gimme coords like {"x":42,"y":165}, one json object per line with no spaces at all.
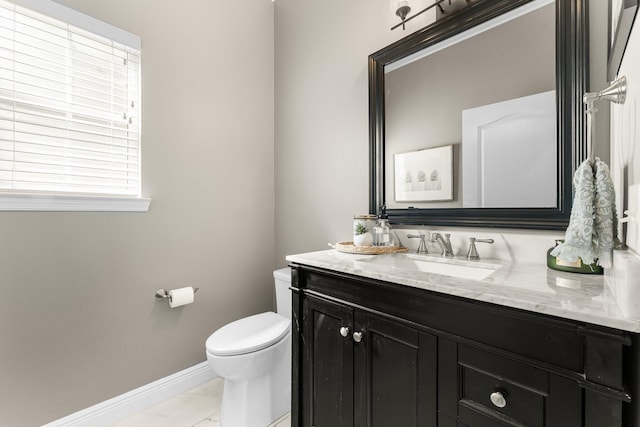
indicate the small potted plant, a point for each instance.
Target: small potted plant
{"x":362,"y":236}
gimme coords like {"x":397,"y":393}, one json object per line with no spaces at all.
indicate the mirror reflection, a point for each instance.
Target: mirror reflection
{"x":471,"y":122}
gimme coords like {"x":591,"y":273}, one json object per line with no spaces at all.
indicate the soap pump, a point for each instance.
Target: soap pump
{"x":382,"y":235}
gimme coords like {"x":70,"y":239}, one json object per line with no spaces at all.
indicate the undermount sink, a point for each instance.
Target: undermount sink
{"x":462,"y":269}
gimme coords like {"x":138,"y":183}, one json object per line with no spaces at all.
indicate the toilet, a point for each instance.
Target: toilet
{"x":253,"y":355}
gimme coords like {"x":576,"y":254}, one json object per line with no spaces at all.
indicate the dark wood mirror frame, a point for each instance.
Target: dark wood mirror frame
{"x":571,"y":83}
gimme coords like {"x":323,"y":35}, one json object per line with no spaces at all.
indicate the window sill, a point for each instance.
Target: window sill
{"x":72,"y":203}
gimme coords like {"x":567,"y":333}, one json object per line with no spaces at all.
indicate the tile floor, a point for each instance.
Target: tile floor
{"x":199,"y":407}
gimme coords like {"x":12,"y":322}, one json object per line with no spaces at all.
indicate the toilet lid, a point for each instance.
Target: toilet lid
{"x":249,"y":334}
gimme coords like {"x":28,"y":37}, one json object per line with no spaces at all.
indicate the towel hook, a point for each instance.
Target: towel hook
{"x":616,"y":92}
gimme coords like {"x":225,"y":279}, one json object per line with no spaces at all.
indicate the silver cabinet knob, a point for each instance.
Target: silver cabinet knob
{"x":357,"y":336}
{"x":344,"y":331}
{"x":498,"y":399}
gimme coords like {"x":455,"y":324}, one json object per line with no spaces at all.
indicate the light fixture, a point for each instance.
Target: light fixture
{"x":402,"y":11}
{"x":445,"y":7}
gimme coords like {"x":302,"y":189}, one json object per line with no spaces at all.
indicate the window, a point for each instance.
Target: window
{"x":69,"y":109}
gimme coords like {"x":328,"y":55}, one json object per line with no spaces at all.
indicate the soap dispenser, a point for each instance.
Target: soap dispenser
{"x":382,"y":235}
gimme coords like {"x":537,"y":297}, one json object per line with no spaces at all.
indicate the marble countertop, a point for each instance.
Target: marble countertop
{"x":527,"y":286}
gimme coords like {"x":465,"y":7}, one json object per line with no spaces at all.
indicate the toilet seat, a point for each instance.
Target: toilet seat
{"x":249,"y":334}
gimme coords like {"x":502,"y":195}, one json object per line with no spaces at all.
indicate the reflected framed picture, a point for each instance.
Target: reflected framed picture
{"x":622,"y":13}
{"x":424,"y":175}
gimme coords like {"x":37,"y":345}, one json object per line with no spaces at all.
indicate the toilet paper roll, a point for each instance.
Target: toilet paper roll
{"x":180,"y":297}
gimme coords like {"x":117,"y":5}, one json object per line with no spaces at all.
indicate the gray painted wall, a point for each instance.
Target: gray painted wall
{"x":322,"y":151}
{"x":78,"y":319}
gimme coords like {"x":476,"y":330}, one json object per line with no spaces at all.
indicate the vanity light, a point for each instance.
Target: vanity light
{"x":403,"y":10}
{"x":444,"y":7}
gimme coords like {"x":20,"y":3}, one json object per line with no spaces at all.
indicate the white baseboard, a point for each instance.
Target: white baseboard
{"x":130,"y":403}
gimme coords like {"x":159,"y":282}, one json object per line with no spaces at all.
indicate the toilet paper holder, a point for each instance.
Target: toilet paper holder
{"x":163,"y":293}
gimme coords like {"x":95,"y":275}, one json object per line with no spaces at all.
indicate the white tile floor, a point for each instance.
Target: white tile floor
{"x":199,"y":407}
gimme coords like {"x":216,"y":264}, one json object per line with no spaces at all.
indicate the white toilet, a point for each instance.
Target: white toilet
{"x":253,"y":355}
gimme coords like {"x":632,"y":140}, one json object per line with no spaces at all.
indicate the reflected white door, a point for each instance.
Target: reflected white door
{"x":514,"y":139}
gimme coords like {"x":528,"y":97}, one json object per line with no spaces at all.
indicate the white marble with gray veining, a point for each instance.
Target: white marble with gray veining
{"x":527,"y":286}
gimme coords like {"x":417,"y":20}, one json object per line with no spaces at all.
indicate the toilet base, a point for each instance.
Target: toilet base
{"x":252,"y":405}
{"x":257,"y":402}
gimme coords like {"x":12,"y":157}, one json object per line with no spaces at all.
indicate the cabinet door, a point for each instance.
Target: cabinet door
{"x":395,"y":374}
{"x":327,"y":364}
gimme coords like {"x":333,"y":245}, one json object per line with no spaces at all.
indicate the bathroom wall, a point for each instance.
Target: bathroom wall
{"x":321,"y":132}
{"x":322,"y":120}
{"x":622,"y":279}
{"x":78,"y":319}
{"x":625,"y":134}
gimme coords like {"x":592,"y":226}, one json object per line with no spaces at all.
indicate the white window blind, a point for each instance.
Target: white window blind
{"x":69,"y":107}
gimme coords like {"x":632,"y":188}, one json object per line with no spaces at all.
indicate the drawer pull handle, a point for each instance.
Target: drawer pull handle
{"x":357,"y":336}
{"x":344,"y":331}
{"x":498,"y":399}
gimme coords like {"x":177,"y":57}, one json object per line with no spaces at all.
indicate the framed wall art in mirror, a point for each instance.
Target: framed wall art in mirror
{"x":491,"y":52}
{"x":424,"y":175}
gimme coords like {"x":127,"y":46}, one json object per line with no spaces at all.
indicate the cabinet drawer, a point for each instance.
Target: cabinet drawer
{"x":500,"y":389}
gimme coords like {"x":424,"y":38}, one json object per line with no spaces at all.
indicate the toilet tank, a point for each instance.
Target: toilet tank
{"x":283,"y":294}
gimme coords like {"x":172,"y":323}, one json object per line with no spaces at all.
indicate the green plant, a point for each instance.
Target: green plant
{"x":360,"y":229}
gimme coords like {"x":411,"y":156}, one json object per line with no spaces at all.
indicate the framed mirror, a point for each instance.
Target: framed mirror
{"x":477,"y":119}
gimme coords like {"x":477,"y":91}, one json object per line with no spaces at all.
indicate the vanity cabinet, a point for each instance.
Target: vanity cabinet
{"x":372,"y":353}
{"x":365,"y":369}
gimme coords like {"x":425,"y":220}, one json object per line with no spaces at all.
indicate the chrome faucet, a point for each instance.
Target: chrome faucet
{"x":444,"y":243}
{"x":422,"y":247}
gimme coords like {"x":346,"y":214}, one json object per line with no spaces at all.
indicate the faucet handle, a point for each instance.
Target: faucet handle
{"x":421,"y":235}
{"x":473,"y":252}
{"x":422,"y":246}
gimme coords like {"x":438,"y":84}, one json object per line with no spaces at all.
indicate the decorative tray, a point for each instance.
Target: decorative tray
{"x":350,"y":248}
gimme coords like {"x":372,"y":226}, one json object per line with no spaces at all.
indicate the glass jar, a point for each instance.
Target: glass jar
{"x":382,"y":234}
{"x":366,"y":221}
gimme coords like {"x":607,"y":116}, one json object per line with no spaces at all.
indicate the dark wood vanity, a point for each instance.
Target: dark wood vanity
{"x":368,"y":352}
